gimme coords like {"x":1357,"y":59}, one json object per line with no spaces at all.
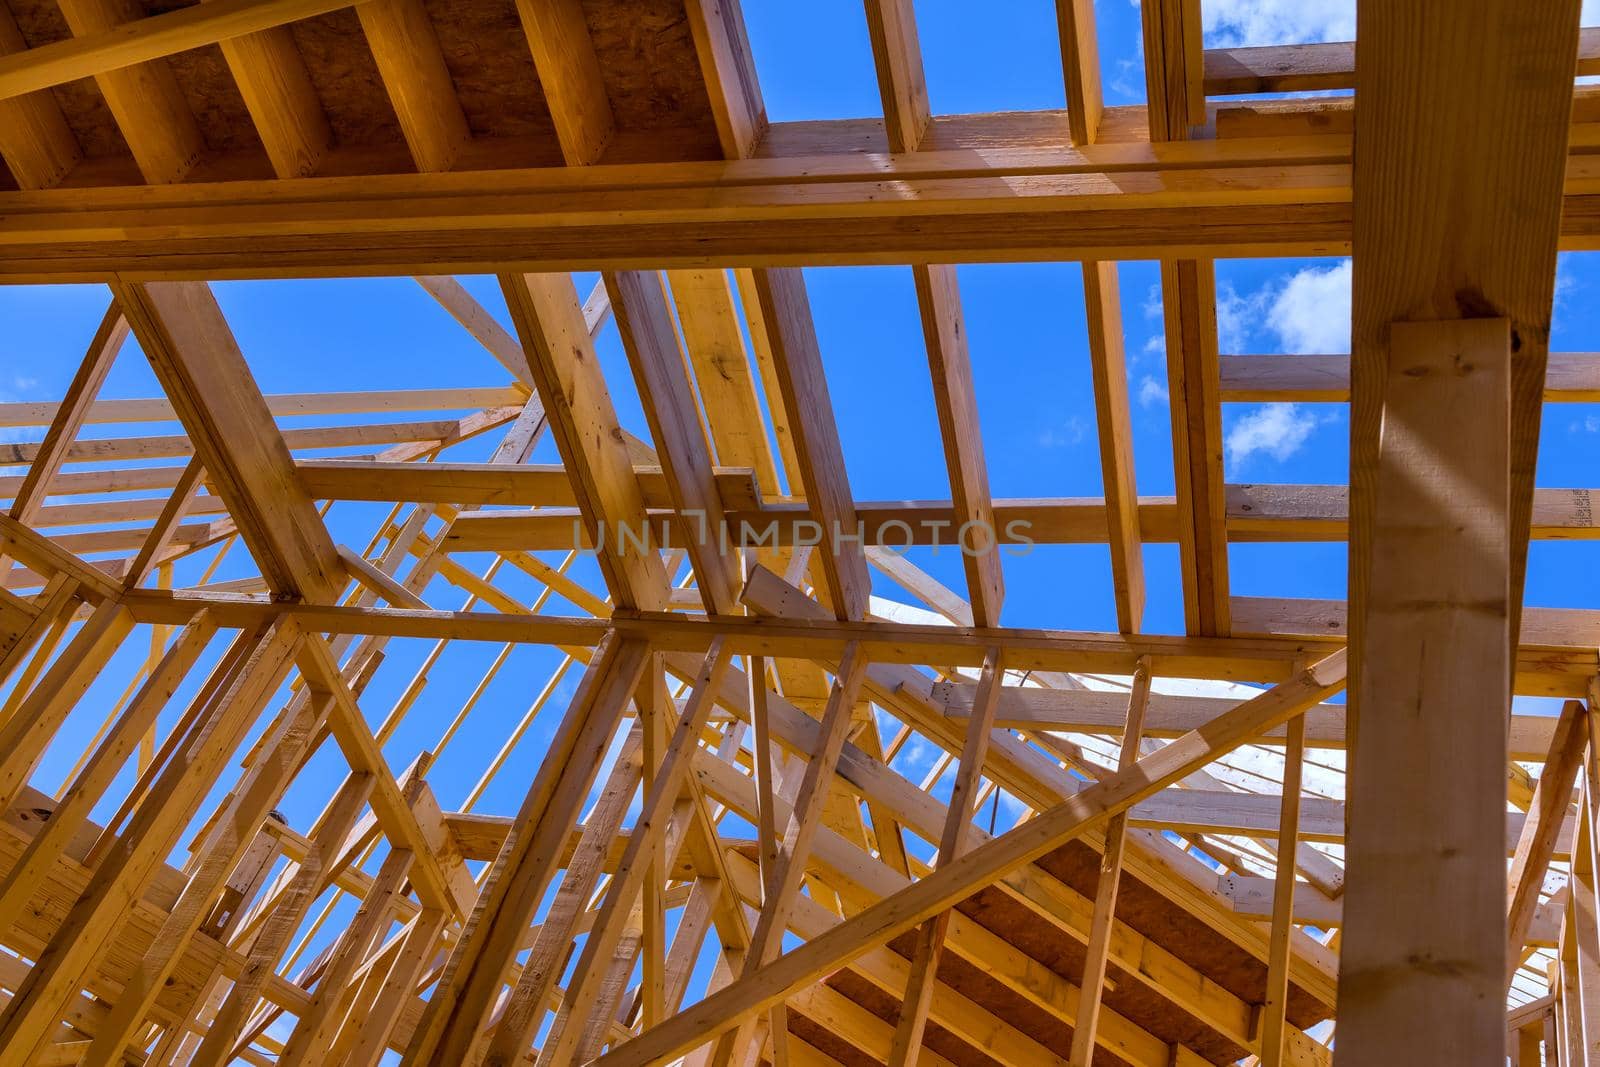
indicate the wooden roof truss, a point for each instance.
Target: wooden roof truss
{"x":779,"y":818}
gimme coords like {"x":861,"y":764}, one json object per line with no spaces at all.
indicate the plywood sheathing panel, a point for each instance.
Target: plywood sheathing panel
{"x":653,"y":80}
{"x":346,"y":79}
{"x":887,"y":1008}
{"x":1181,"y":933}
{"x":487,"y":54}
{"x":1001,"y":914}
{"x":825,"y":1040}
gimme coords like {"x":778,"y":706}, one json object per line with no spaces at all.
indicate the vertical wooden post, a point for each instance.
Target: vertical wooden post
{"x":1586,"y":922}
{"x":1571,"y":999}
{"x":1105,"y":897}
{"x":1424,"y":954}
{"x":1273,"y":1025}
{"x":1453,"y":279}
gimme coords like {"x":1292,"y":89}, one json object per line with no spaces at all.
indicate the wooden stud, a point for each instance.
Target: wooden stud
{"x":958,"y":824}
{"x":1273,"y":1009}
{"x":721,"y":1012}
{"x":1537,"y":841}
{"x":450,"y":1029}
{"x":1087,"y":1023}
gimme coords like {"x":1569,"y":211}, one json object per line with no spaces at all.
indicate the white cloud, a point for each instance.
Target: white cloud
{"x":1152,"y":391}
{"x":1152,"y":302}
{"x":1277,"y":430}
{"x":1311,"y":313}
{"x":1237,"y":316}
{"x":1567,"y":281}
{"x":1066,"y":435}
{"x":1588,"y":424}
{"x":1232,"y":23}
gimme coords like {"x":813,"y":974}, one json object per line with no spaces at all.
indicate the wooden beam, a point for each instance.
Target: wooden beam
{"x":1189,"y":300}
{"x":1274,"y":1021}
{"x":1537,"y":841}
{"x":562,"y":360}
{"x":194,"y":354}
{"x":956,"y":401}
{"x":729,"y":71}
{"x":145,"y":100}
{"x":892,"y":26}
{"x":569,"y":74}
{"x":931,"y":935}
{"x":442,"y":482}
{"x":70,"y":415}
{"x":794,"y":846}
{"x":786,"y":311}
{"x":1159,"y":201}
{"x":709,"y":319}
{"x":644,"y":319}
{"x":1438,"y":537}
{"x":160,"y":409}
{"x":940,"y":890}
{"x":1570,"y":378}
{"x":1540,"y":671}
{"x":180,"y":502}
{"x":413,"y":70}
{"x":283,"y":104}
{"x":451,"y":1028}
{"x":1102,"y":297}
{"x":37,"y":144}
{"x":1097,"y":952}
{"x":1080,"y":65}
{"x":480,"y":323}
{"x":379,"y":584}
{"x":647,"y":840}
{"x":143,"y":39}
{"x":1174,"y":67}
{"x":1320,"y":67}
{"x":1255,"y":513}
{"x":51,"y":558}
{"x":1431,"y":735}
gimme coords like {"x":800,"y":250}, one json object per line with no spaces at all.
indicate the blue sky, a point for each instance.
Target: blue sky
{"x":1025,"y":323}
{"x":1027,"y":336}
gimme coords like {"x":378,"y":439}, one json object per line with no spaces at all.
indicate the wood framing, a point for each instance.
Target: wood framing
{"x":1423,"y":975}
{"x":354,"y":722}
